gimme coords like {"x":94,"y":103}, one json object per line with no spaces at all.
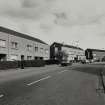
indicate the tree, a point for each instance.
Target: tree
{"x":103,"y":59}
{"x":61,"y":55}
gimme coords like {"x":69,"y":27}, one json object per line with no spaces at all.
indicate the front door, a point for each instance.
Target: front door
{"x":22,"y":57}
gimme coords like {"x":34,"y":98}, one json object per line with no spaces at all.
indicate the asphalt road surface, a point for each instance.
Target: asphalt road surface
{"x":74,"y":85}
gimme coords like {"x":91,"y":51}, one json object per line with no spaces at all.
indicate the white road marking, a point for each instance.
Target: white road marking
{"x":38,"y":80}
{"x":62,"y":71}
{"x":1,"y":95}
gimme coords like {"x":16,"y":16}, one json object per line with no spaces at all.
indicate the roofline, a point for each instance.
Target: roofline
{"x":57,"y":43}
{"x":69,"y":46}
{"x":95,"y":50}
{"x":15,"y":33}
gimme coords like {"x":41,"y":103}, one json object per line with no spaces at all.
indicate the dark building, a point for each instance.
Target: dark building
{"x":94,"y":54}
{"x":72,"y":51}
{"x":54,"y":48}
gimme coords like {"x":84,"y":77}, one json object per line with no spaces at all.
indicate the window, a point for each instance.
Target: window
{"x":29,"y":57}
{"x":36,"y":49}
{"x":13,"y":57}
{"x":36,"y":58}
{"x":29,"y":47}
{"x":94,"y":54}
{"x":2,"y":43}
{"x":41,"y":50}
{"x":56,"y":49}
{"x":14,"y":45}
{"x":41,"y":58}
{"x":46,"y":51}
{"x":3,"y":57}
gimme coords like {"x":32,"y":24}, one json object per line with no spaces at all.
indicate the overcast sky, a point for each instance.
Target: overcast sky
{"x":57,"y":20}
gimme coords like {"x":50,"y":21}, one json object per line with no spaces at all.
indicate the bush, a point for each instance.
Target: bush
{"x":50,"y":62}
{"x":8,"y":65}
{"x":34,"y":63}
{"x":17,"y":64}
{"x":103,"y":59}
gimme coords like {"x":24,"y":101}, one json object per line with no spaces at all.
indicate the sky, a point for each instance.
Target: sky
{"x":74,"y":22}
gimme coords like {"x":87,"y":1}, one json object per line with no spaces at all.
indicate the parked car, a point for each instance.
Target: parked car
{"x":66,"y":63}
{"x":85,"y":61}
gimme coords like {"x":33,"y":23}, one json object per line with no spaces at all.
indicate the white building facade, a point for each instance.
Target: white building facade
{"x":74,"y":52}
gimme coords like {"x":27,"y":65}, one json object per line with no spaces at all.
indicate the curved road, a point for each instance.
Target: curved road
{"x":53,"y":85}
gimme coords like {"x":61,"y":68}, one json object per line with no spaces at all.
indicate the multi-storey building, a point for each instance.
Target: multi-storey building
{"x":17,"y":46}
{"x":74,"y":53}
{"x":95,"y":54}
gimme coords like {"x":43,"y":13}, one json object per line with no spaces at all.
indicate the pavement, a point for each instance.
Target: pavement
{"x":52,"y":85}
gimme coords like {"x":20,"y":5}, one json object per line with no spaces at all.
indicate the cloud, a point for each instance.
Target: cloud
{"x":79,"y":12}
{"x":29,"y":9}
{"x":29,"y":4}
{"x":61,"y":18}
{"x":36,"y":3}
{"x":56,"y":19}
{"x":65,"y":12}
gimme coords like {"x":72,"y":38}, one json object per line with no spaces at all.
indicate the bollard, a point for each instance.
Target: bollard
{"x":22,"y":64}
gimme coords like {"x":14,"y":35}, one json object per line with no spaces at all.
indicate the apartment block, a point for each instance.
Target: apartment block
{"x":74,"y":53}
{"x":18,"y":46}
{"x":95,"y":54}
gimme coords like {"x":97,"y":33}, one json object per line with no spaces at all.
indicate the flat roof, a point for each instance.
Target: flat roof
{"x":12,"y":32}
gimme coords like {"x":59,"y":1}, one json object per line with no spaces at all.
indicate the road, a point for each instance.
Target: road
{"x":74,"y":85}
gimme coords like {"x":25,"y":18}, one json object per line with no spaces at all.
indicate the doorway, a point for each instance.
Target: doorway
{"x":2,"y":57}
{"x":22,"y":57}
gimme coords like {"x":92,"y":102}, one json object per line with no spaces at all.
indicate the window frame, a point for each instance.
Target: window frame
{"x":14,"y":45}
{"x":29,"y":47}
{"x":2,"y":46}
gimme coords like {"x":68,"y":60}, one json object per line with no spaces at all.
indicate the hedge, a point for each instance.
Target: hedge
{"x":8,"y":65}
{"x":50,"y":62}
{"x":26,"y":63}
{"x":34,"y":63}
{"x":17,"y":64}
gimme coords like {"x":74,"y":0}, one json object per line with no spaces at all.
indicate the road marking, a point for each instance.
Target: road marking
{"x":38,"y":80}
{"x":1,"y":95}
{"x":62,"y":71}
